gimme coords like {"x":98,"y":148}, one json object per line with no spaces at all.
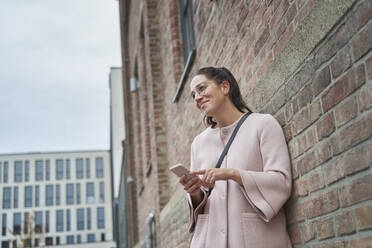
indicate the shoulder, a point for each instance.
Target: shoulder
{"x":262,"y":120}
{"x":204,"y":136}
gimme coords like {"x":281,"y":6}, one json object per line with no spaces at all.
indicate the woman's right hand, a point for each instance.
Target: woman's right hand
{"x":191,"y":185}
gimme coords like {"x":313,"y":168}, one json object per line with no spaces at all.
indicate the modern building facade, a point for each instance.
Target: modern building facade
{"x":56,"y":198}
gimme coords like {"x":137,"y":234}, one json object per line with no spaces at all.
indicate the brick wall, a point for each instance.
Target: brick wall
{"x":307,"y":62}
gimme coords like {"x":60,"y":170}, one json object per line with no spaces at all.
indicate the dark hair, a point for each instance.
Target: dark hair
{"x":218,"y":75}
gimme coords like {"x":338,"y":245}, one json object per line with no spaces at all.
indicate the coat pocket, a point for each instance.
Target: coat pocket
{"x":260,"y":234}
{"x":201,"y":230}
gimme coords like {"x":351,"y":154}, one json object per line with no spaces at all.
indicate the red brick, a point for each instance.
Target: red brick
{"x":306,"y":117}
{"x":341,"y":63}
{"x":344,"y":223}
{"x":308,"y":232}
{"x":291,"y":13}
{"x":307,"y":163}
{"x":326,"y":126}
{"x":300,"y":187}
{"x":284,"y":39}
{"x":346,"y":111}
{"x":278,"y":13}
{"x":310,"y":138}
{"x":363,"y":42}
{"x":291,"y":109}
{"x":323,"y":152}
{"x":365,"y":97}
{"x":321,"y":204}
{"x":288,"y":132}
{"x":331,"y":244}
{"x":305,"y":97}
{"x":356,"y":160}
{"x":321,"y":80}
{"x":369,"y":66}
{"x":295,"y":212}
{"x":315,"y":180}
{"x":363,"y":217}
{"x":324,"y":229}
{"x":343,"y":87}
{"x":261,"y":41}
{"x":334,"y":171}
{"x":356,"y":191}
{"x":360,"y":243}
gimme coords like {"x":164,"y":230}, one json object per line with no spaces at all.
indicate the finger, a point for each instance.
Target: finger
{"x":191,"y":182}
{"x":200,"y":172}
{"x":182,"y":180}
{"x":194,"y":187}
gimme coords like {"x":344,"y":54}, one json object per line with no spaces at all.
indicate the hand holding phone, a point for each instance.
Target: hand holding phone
{"x":179,"y":170}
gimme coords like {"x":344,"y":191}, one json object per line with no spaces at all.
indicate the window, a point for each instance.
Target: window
{"x":4,"y":244}
{"x":103,"y":237}
{"x":18,"y":171}
{"x":28,"y":243}
{"x":89,"y":218}
{"x":49,"y":195}
{"x":39,"y":170}
{"x":38,"y":221}
{"x":100,"y":218}
{"x":78,"y":239}
{"x":26,"y":223}
{"x":70,"y":239}
{"x":17,"y":223}
{"x":28,"y":196}
{"x":47,"y":221}
{"x":87,"y":165}
{"x":99,"y":167}
{"x":101,"y":192}
{"x":78,"y":198}
{"x":80,"y":219}
{"x":68,"y":220}
{"x":187,"y":25}
{"x":90,"y":193}
{"x":79,"y":168}
{"x":59,"y":169}
{"x":6,"y":197}
{"x":69,"y":194}
{"x":68,"y":171}
{"x":37,"y":195}
{"x":47,"y":170}
{"x":3,"y":225}
{"x":15,"y":197}
{"x":0,"y":172}
{"x":5,"y":174}
{"x":27,"y":171}
{"x":36,"y":242}
{"x":59,"y":214}
{"x":91,"y":238}
{"x":49,"y":240}
{"x":57,"y":240}
{"x":58,"y":195}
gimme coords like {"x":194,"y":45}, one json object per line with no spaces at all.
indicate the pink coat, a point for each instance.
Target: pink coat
{"x":250,"y":216}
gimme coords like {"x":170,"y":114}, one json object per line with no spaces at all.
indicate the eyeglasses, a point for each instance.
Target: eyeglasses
{"x":199,"y":89}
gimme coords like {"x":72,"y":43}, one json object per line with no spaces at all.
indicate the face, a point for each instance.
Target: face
{"x":207,"y":94}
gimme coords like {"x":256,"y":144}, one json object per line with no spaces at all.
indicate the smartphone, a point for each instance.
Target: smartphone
{"x":180,"y":170}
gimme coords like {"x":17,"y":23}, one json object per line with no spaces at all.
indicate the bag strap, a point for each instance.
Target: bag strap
{"x":226,"y":149}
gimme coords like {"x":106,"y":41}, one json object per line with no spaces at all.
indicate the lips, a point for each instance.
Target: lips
{"x":202,"y":104}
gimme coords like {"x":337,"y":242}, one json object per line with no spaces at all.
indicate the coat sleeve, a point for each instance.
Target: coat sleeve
{"x":269,"y":189}
{"x":195,"y":210}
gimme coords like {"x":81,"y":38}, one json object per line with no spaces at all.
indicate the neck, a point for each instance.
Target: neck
{"x":228,"y":115}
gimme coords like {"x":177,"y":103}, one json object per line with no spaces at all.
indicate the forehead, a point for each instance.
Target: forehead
{"x":198,"y":79}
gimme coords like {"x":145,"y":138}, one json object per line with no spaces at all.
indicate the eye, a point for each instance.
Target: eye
{"x":192,"y":95}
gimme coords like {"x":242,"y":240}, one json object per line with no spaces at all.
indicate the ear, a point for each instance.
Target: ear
{"x":225,"y":86}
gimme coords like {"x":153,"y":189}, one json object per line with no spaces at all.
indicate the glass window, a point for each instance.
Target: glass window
{"x":90,"y":193}
{"x":17,"y":223}
{"x":0,"y":173}
{"x":3,"y":225}
{"x":38,"y":221}
{"x":68,"y":171}
{"x":49,"y":241}
{"x":79,"y":168}
{"x":26,"y":223}
{"x":39,"y":170}
{"x":59,"y":214}
{"x":69,"y":193}
{"x":49,"y":195}
{"x":91,"y":238}
{"x":101,"y":192}
{"x":6,"y":197}
{"x":18,"y":171}
{"x":59,"y":169}
{"x":37,"y":196}
{"x":68,"y":220}
{"x":187,"y":27}
{"x":100,"y":218}
{"x":5,"y":244}
{"x":57,"y":240}
{"x":47,"y":221}
{"x":47,"y":170}
{"x":78,"y":239}
{"x":28,"y":196}
{"x":58,"y":195}
{"x":5,"y":172}
{"x":87,"y":165}
{"x":27,"y":171}
{"x":78,"y":197}
{"x":99,"y":167}
{"x":70,"y":239}
{"x":89,"y":219}
{"x":103,"y":237}
{"x":80,"y":219}
{"x":15,"y":197}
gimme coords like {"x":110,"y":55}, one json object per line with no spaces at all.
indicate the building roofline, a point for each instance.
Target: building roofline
{"x":53,"y":152}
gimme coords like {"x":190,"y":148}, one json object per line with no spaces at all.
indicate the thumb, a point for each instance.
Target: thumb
{"x":200,"y":172}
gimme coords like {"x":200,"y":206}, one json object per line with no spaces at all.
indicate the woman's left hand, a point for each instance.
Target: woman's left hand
{"x":211,"y":175}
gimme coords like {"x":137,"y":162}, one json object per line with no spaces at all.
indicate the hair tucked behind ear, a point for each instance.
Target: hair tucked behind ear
{"x":218,"y":75}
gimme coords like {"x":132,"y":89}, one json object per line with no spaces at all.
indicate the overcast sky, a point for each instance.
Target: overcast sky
{"x":55,"y":59}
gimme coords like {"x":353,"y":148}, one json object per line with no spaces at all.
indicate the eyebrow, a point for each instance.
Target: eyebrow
{"x":197,"y":86}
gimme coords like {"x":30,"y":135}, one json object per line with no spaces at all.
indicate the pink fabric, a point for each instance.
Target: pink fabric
{"x":250,"y":216}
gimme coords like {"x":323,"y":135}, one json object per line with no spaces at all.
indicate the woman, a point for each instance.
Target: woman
{"x":244,"y":208}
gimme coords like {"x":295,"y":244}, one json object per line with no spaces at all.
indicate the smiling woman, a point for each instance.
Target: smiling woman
{"x":253,"y":181}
